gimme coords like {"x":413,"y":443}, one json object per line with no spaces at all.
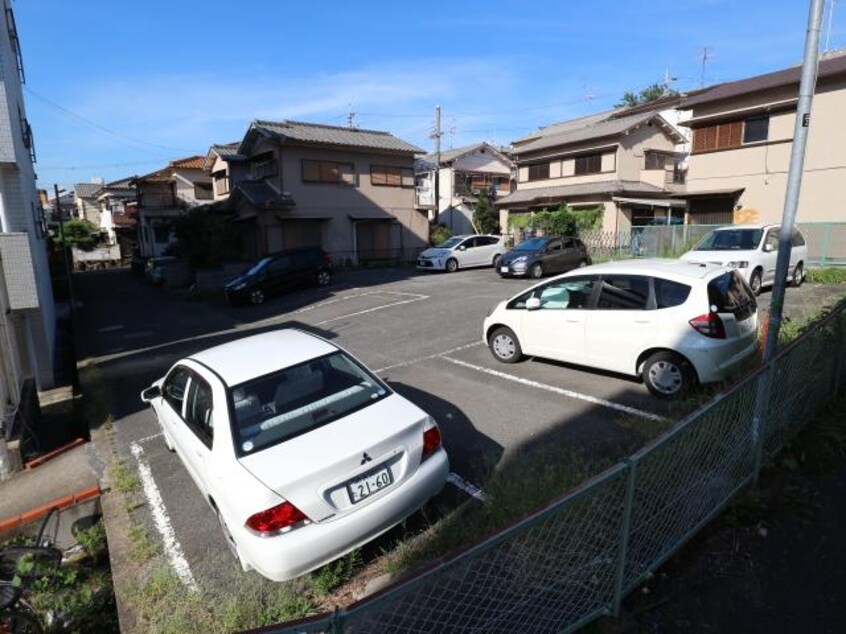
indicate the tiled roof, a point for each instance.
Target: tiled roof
{"x":584,"y":129}
{"x":450,"y":155}
{"x":566,"y":126}
{"x":87,"y":190}
{"x":189,"y":163}
{"x":123,"y":183}
{"x":228,"y":151}
{"x":541,"y":194}
{"x":834,"y":65}
{"x":319,"y":134}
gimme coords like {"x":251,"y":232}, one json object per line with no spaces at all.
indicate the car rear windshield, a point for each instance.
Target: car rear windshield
{"x":730,"y":240}
{"x":452,"y":242}
{"x":273,"y":408}
{"x":729,"y":293}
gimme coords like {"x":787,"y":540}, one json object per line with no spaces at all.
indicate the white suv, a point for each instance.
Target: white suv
{"x":753,"y":251}
{"x":673,"y":323}
{"x":461,"y":252}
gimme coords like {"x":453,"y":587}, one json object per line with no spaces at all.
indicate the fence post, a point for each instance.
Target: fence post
{"x":625,"y":529}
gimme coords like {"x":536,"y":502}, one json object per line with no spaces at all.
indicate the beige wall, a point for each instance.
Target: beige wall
{"x":762,"y":169}
{"x":630,"y":154}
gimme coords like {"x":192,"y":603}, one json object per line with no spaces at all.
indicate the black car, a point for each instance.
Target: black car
{"x":540,"y":256}
{"x":279,"y":272}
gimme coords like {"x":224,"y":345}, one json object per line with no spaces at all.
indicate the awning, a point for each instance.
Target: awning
{"x":736,"y":191}
{"x":371,"y":214}
{"x":649,"y":202}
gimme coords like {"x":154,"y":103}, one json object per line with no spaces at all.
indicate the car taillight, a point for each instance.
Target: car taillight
{"x":709,"y":325}
{"x":431,"y":441}
{"x":275,"y":519}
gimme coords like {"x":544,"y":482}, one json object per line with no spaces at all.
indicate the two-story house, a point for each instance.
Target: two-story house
{"x":463,"y":173}
{"x":165,"y":194}
{"x":742,"y":140}
{"x":629,"y":163}
{"x":348,"y":190}
{"x":85,"y":197}
{"x":116,"y":210}
{"x":226,"y":167}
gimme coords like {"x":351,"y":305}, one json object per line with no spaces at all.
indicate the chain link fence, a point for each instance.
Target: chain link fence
{"x":575,"y":560}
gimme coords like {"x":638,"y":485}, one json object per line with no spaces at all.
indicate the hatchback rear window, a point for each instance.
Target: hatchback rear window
{"x":669,"y":294}
{"x":279,"y":406}
{"x":729,"y":293}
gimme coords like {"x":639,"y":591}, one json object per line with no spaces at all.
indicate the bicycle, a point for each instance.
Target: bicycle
{"x":20,"y":566}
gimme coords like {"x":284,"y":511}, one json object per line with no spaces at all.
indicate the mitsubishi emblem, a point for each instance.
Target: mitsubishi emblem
{"x":365,"y":458}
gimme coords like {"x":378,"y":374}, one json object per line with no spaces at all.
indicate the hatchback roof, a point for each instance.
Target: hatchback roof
{"x":252,"y":357}
{"x":755,"y":225}
{"x":652,"y":266}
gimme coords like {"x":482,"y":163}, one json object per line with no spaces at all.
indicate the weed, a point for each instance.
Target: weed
{"x":829,"y":275}
{"x":336,"y":573}
{"x":124,"y":479}
{"x":143,"y":548}
{"x":93,"y":539}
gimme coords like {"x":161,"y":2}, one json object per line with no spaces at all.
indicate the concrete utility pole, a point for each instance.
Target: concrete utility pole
{"x":437,"y":134}
{"x":65,"y":255}
{"x":807,"y":85}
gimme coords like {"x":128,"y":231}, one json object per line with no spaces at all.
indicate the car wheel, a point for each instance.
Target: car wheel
{"x":668,"y":375}
{"x":504,"y":345}
{"x":798,"y":275}
{"x":496,"y":260}
{"x":582,"y":264}
{"x":257,"y":296}
{"x":756,"y":280}
{"x":227,"y":535}
{"x":451,"y":265}
{"x":323,"y":278}
{"x":537,"y":270}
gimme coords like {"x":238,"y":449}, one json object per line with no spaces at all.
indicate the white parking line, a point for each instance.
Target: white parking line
{"x":437,"y":355}
{"x":373,"y":310}
{"x":150,"y":437}
{"x":172,"y":548}
{"x":558,"y":390}
{"x":470,"y":489}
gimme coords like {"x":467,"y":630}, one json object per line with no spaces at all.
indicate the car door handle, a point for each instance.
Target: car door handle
{"x":643,"y":321}
{"x":573,"y":321}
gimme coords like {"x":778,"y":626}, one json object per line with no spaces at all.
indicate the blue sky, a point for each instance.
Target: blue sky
{"x":120,"y":88}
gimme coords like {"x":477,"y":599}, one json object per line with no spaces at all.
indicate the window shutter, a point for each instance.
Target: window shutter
{"x":735,"y":133}
{"x":378,"y":176}
{"x":311,"y":171}
{"x":698,"y":140}
{"x":347,"y":173}
{"x":329,"y":172}
{"x":723,"y":133}
{"x":394,"y":177}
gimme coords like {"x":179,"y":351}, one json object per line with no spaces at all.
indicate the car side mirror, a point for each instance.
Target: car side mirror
{"x":462,"y":248}
{"x":533,"y":303}
{"x":768,"y":248}
{"x":154,"y":391}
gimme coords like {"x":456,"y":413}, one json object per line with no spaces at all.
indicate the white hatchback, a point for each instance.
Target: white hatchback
{"x":462,"y":252}
{"x":752,"y":250}
{"x":301,"y":452}
{"x":672,"y":323}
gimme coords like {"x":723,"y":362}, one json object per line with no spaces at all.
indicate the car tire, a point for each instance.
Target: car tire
{"x":798,"y":276}
{"x":582,"y":264}
{"x":451,"y":265}
{"x":230,"y":543}
{"x":496,"y":260}
{"x":504,"y":345}
{"x":536,"y":271}
{"x":756,"y":281}
{"x":257,"y":296}
{"x":668,"y":375}
{"x":324,"y":278}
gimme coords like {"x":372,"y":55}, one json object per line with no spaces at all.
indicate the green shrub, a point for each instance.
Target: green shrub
{"x":439,"y":234}
{"x":483,"y":216}
{"x":829,"y":275}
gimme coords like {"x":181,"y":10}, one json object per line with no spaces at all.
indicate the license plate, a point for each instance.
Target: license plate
{"x":504,"y":269}
{"x":369,"y":484}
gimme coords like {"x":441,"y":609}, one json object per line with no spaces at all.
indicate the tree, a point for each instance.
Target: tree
{"x":650,"y":93}
{"x":79,"y":233}
{"x":206,"y":237}
{"x":483,"y":215}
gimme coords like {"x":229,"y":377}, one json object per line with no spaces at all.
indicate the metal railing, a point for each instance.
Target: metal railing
{"x":575,"y":560}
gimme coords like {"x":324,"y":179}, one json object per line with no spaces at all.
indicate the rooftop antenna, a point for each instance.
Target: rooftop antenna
{"x":706,"y":50}
{"x":668,"y":80}
{"x":828,"y":30}
{"x":351,"y":118}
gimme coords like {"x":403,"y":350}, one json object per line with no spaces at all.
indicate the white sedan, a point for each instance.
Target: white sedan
{"x":303,"y":454}
{"x":462,"y":252}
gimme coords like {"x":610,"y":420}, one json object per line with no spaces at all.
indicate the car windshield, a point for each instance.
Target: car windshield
{"x":730,"y":240}
{"x":273,"y":408}
{"x":258,"y":266}
{"x":449,"y":244}
{"x":535,"y":244}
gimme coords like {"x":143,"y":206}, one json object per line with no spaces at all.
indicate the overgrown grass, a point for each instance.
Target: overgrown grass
{"x":123,"y":478}
{"x":334,"y":574}
{"x":143,"y":548}
{"x":829,"y":275}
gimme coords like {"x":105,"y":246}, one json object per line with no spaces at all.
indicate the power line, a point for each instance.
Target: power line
{"x":93,"y":125}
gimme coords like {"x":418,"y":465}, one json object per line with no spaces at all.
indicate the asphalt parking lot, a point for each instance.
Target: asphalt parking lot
{"x":421,"y":332}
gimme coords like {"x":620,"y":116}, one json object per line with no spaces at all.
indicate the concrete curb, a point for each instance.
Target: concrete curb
{"x":35,"y":514}
{"x":40,"y":460}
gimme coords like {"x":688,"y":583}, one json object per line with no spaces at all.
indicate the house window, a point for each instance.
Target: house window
{"x":654,"y":160}
{"x":539,"y":172}
{"x":756,"y":129}
{"x":203,"y":191}
{"x":221,"y":182}
{"x":328,"y":172}
{"x":263,"y":165}
{"x":385,"y":176}
{"x":588,"y":164}
{"x":719,"y":136}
